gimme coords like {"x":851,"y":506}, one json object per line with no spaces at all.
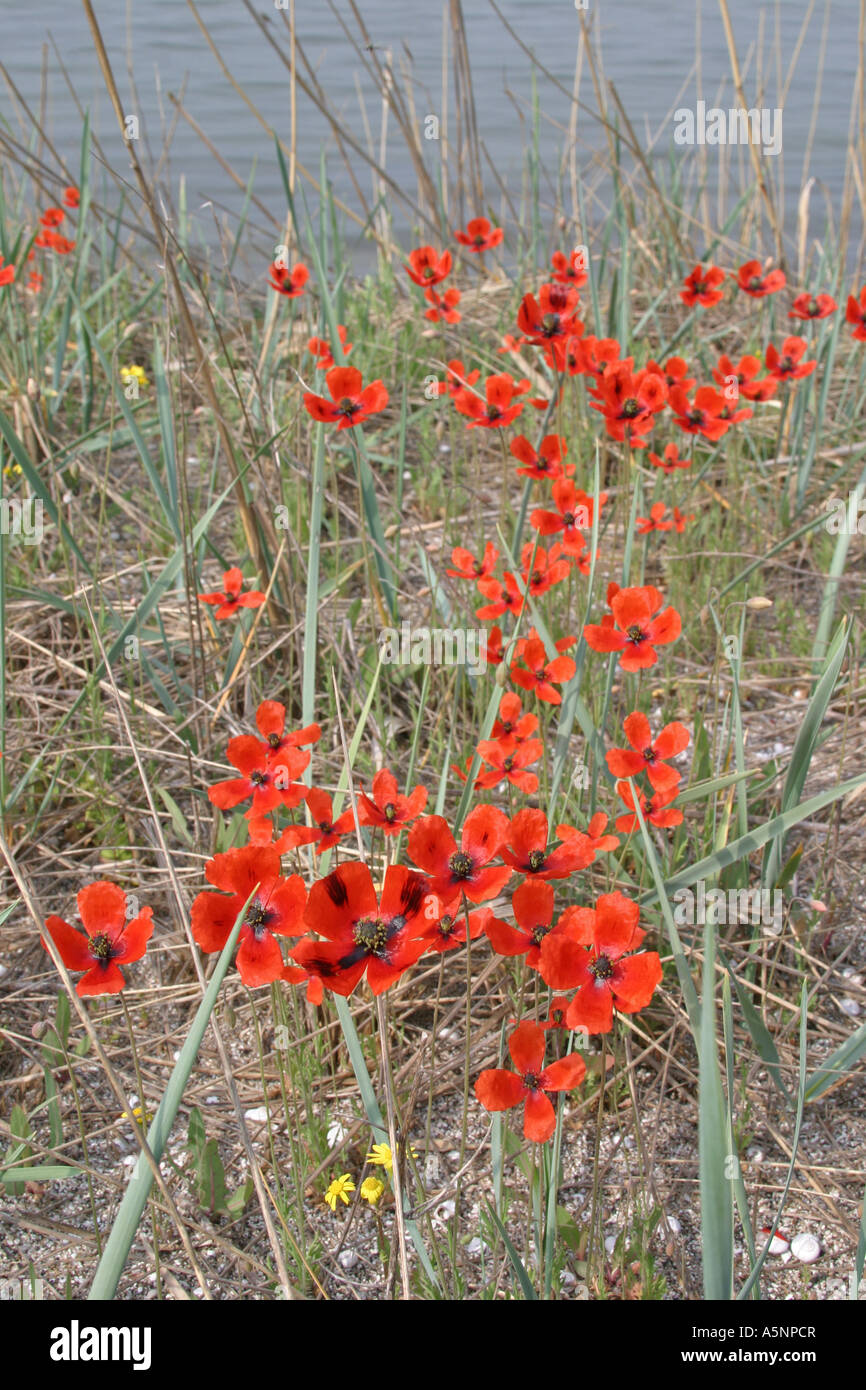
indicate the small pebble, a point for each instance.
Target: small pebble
{"x":476,"y":1246}
{"x":211,"y":1100}
{"x":851,"y":1007}
{"x":787,"y":1257}
{"x":348,"y":1259}
{"x":754,"y":1154}
{"x":3,"y":969}
{"x":778,"y":1245}
{"x":259,"y":1114}
{"x":806,"y":1248}
{"x":445,"y":1210}
{"x":567,"y":1279}
{"x":672,"y":1224}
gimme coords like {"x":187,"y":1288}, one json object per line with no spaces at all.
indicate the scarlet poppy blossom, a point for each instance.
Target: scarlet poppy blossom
{"x":271,"y":724}
{"x":457,"y":379}
{"x":363,"y":933}
{"x":504,"y":596}
{"x":325,"y":832}
{"x":591,"y":355}
{"x":230,"y":600}
{"x":600,"y":842}
{"x":541,"y":675}
{"x":480,"y":235}
{"x":808,"y":306}
{"x":655,"y":811}
{"x":448,"y":931}
{"x":550,"y":320}
{"x":527,"y":853}
{"x":387,"y":808}
{"x":593,"y":955}
{"x":634,"y":627}
{"x":321,"y":349}
{"x":702,"y":286}
{"x":680,"y":520}
{"x":268,"y":785}
{"x":855,"y":313}
{"x":787,"y":366}
{"x":34,"y":283}
{"x":574,"y":513}
{"x":71,"y":197}
{"x":109,"y":940}
{"x":53,"y":241}
{"x":496,"y":410}
{"x":513,"y":726}
{"x":468,"y":869}
{"x":646,"y":755}
{"x":509,"y":765}
{"x":675,"y":372}
{"x":443,"y":307}
{"x":467,"y":567}
{"x":532,"y":905}
{"x":427,"y":267}
{"x":493,"y":650}
{"x":670,"y":459}
{"x":744,"y":375}
{"x":703,"y":415}
{"x":351,"y":401}
{"x":276,"y":910}
{"x":629,"y":402}
{"x":570,"y":270}
{"x":52,"y":217}
{"x":510,"y":344}
{"x":289,"y":283}
{"x":547,"y":462}
{"x":530,"y":1082}
{"x":548,"y":569}
{"x":7,"y":273}
{"x":654,"y":522}
{"x":556,"y":1014}
{"x":750,"y":278}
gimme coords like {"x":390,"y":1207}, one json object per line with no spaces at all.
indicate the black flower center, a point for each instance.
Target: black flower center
{"x":101,"y":948}
{"x":536,"y":859}
{"x":631,"y":408}
{"x":370,"y":935}
{"x":390,"y":811}
{"x":347,"y":406}
{"x":460,"y":865}
{"x":601,"y":968}
{"x":274,"y":740}
{"x":258,"y":779}
{"x":635,"y":633}
{"x":257,"y":919}
{"x":446,"y":925}
{"x":538,"y":934}
{"x":530,"y":1080}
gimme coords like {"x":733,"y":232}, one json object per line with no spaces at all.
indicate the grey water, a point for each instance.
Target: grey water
{"x":660,"y":57}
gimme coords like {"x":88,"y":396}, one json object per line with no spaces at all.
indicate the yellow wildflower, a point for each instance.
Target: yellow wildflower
{"x":135,"y":372}
{"x":340,"y":1187}
{"x":371,"y":1190}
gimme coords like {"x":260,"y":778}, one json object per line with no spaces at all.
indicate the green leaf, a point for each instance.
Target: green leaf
{"x":837,"y":1067}
{"x":517,"y":1264}
{"x":717,"y":1208}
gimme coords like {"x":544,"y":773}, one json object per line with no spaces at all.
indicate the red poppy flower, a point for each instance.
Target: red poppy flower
{"x":448,"y":932}
{"x":433,"y":848}
{"x":592,"y":355}
{"x":52,"y":217}
{"x":444,"y":307}
{"x":655,"y":811}
{"x":467,"y":567}
{"x":670,"y":459}
{"x":380,"y":936}
{"x":269,"y":785}
{"x":53,"y":241}
{"x":548,"y":568}
{"x":635,"y":627}
{"x":629,"y":402}
{"x":556,"y":1014}
{"x":600,"y":842}
{"x":702,"y":286}
{"x":592,"y":956}
{"x":480,"y":235}
{"x":504,"y":595}
{"x":542,"y":675}
{"x":654,"y":522}
{"x":855,"y":313}
{"x":109,"y":938}
{"x":289,"y":283}
{"x":231,"y":599}
{"x":745,"y":374}
{"x":571,"y":270}
{"x":511,"y":344}
{"x":493,"y":651}
{"x":276,"y":910}
{"x":271,"y":724}
{"x":496,"y":410}
{"x":574,"y":513}
{"x":351,"y":401}
{"x":325,"y":832}
{"x":7,"y":273}
{"x":513,"y":726}
{"x":499,"y":1089}
{"x":547,"y":462}
{"x":527,"y":853}
{"x":509,"y":764}
{"x":34,"y":283}
{"x":550,"y":319}
{"x":786,"y":366}
{"x":532,"y":905}
{"x":750,"y":278}
{"x":701,"y":416}
{"x":807,"y":306}
{"x":427,"y":267}
{"x":644,"y":755}
{"x":675,"y":372}
{"x":71,"y":197}
{"x":386,"y":808}
{"x":456,"y":379}
{"x":680,"y":520}
{"x":321,"y":348}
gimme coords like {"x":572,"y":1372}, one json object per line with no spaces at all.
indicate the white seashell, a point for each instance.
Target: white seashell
{"x":610,"y":1244}
{"x":336,"y":1134}
{"x":259,"y":1114}
{"x":348,"y":1259}
{"x":778,"y":1245}
{"x":806,"y":1248}
{"x":672,"y":1224}
{"x":851,"y":1007}
{"x":445,"y":1210}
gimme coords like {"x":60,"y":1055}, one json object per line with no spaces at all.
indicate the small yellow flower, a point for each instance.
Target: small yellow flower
{"x":381,"y":1156}
{"x":340,"y":1187}
{"x":12,"y":470}
{"x":371,"y":1190}
{"x":128,"y":373}
{"x":137,"y":1114}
